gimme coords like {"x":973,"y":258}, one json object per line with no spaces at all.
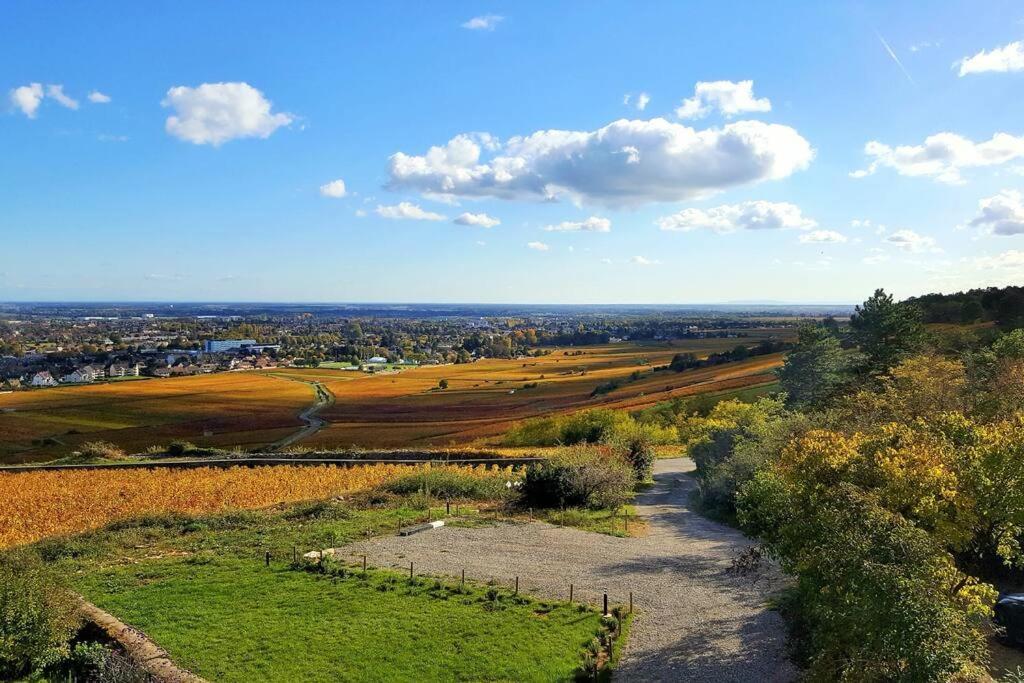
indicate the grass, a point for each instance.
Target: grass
{"x":622,"y":523}
{"x":235,"y":620}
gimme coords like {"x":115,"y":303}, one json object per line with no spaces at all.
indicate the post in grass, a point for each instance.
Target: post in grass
{"x":266,"y":558}
{"x":410,"y":571}
{"x":570,"y":593}
{"x":463,"y":577}
{"x":517,"y":585}
{"x":606,"y":604}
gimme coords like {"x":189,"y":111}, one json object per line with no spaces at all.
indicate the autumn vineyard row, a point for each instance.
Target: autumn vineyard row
{"x":40,"y":504}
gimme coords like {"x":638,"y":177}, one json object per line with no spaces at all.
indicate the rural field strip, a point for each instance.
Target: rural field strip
{"x":256,"y":461}
{"x":695,"y":621}
{"x":323,"y":398}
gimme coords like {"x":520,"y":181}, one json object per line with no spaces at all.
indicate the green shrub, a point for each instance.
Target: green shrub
{"x":580,"y":476}
{"x":97,"y":450}
{"x":541,"y":431}
{"x":37,"y":617}
{"x":634,"y":442}
{"x":448,"y":483}
{"x":179,"y":448}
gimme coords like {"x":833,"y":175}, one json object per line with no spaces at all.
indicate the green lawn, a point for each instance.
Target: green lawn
{"x":231,"y":619}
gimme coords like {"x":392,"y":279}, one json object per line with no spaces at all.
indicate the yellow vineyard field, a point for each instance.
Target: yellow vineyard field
{"x":36,"y":505}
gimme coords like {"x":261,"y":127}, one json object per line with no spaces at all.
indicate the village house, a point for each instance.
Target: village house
{"x":86,"y":373}
{"x":123,"y":370}
{"x":43,"y":379}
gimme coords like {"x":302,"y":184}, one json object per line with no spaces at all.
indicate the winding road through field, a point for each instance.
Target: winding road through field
{"x":696,"y":620}
{"x":314,"y":423}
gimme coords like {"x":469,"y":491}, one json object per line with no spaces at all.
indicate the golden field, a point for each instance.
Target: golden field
{"x":40,"y":504}
{"x":485,"y":398}
{"x":394,"y":409}
{"x":226,"y":409}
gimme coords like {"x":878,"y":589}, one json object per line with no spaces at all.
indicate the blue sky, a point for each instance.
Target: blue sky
{"x":201,"y":177}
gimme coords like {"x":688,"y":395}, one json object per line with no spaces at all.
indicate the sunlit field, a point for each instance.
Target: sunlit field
{"x":40,"y":504}
{"x":226,"y":409}
{"x":484,"y":398}
{"x":388,"y":409}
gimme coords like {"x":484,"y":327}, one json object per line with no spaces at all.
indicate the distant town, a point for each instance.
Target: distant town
{"x":51,"y":345}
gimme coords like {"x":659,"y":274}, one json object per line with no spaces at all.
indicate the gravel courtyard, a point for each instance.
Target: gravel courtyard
{"x":695,"y":621}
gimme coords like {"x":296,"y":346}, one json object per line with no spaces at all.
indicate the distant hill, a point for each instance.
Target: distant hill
{"x":1002,"y":305}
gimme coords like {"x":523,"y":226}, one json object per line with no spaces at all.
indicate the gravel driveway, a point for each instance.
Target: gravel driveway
{"x":695,"y":622}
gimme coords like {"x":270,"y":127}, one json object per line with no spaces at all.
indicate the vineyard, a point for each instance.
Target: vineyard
{"x":40,"y":504}
{"x":383,"y":410}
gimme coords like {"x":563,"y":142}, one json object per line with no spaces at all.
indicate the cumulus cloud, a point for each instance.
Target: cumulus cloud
{"x":644,"y":261}
{"x":1002,"y":214}
{"x":214,"y":113}
{"x":642,"y":100}
{"x":908,"y":240}
{"x":487,"y":22}
{"x":592,"y":224}
{"x":823,"y":237}
{"x":56,"y":92}
{"x":624,"y":163}
{"x":334,"y":189}
{"x":407,"y":211}
{"x":728,"y":97}
{"x":96,"y":97}
{"x":756,"y":215}
{"x":1008,"y":259}
{"x":942,"y":156}
{"x":537,"y":246}
{"x":26,"y":98}
{"x":481,"y":220}
{"x":1000,"y":60}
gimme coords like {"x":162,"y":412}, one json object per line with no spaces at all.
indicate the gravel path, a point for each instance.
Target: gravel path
{"x":695,"y":622}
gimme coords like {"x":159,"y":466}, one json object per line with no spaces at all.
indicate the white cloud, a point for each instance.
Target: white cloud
{"x":537,"y":246}
{"x":908,"y":240}
{"x":876,"y":257}
{"x":606,"y":261}
{"x":1008,"y":259}
{"x":409,"y":211}
{"x":1002,"y":214}
{"x":642,"y":100}
{"x":823,"y":237}
{"x":728,"y":97}
{"x":487,"y":22}
{"x":942,"y":156}
{"x":624,"y":163}
{"x":756,"y":215}
{"x":214,"y":113}
{"x":592,"y":224}
{"x":335,"y":189}
{"x":56,"y":92}
{"x":924,"y":45}
{"x":1000,"y":60}
{"x":26,"y":98}
{"x":360,"y":213}
{"x":644,"y":261}
{"x":481,"y":220}
{"x":96,"y":97}
{"x":866,"y":224}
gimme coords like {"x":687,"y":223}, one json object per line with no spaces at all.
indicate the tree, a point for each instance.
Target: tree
{"x":886,"y":331}
{"x":814,"y":369}
{"x":443,"y":384}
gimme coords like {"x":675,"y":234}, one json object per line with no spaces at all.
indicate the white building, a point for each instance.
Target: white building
{"x":221,"y":345}
{"x":43,"y":379}
{"x":378,"y":360}
{"x":86,"y":373}
{"x":123,"y":370}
